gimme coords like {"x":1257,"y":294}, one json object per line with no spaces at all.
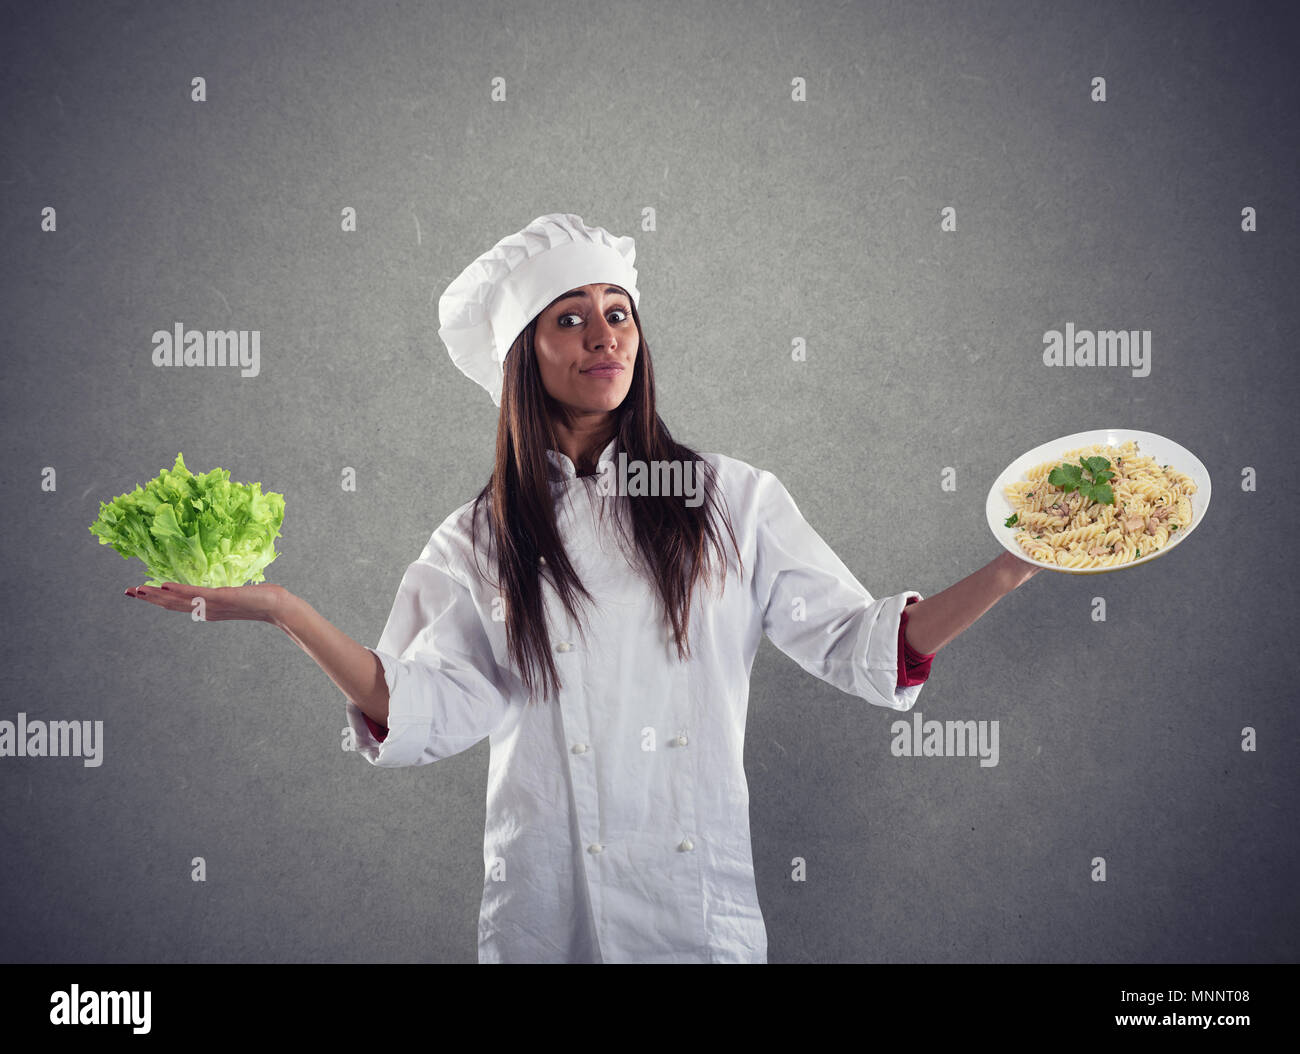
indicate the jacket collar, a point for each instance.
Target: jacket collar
{"x":562,"y":469}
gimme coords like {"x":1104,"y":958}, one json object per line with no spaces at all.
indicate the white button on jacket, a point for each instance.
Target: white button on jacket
{"x":618,"y":815}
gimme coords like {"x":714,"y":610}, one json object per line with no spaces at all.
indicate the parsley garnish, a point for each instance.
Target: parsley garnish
{"x":1088,"y":477}
{"x":1011,"y":520}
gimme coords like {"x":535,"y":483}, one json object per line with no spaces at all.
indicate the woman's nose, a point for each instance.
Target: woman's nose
{"x":602,"y":335}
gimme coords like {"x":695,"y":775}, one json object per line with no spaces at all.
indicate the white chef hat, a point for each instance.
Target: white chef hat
{"x":492,"y":301}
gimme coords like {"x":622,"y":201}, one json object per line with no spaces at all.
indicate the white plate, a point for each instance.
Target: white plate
{"x":997,"y":509}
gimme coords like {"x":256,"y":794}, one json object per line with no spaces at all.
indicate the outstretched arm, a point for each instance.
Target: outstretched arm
{"x":936,"y":620}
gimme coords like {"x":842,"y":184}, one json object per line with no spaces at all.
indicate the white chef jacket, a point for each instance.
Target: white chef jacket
{"x":617,"y":824}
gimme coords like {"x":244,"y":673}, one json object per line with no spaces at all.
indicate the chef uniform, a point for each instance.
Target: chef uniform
{"x":617,"y":825}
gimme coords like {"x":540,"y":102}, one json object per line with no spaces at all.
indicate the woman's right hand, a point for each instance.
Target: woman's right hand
{"x":262,"y":602}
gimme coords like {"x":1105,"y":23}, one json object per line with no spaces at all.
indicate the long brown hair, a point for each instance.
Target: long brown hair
{"x":672,"y":539}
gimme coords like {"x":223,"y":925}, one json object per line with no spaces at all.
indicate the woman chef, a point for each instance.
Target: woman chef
{"x":576,"y":613}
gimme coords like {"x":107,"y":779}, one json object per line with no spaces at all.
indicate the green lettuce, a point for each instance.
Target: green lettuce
{"x":199,"y":530}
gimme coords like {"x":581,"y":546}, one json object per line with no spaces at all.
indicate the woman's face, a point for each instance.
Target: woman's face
{"x":579,"y":337}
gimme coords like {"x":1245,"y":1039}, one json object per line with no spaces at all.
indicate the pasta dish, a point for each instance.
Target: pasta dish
{"x":1066,"y":525}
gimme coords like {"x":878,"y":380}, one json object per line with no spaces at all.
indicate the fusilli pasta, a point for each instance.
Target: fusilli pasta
{"x":1069,"y":530}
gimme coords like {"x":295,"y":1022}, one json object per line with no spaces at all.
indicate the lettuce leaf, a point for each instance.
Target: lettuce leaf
{"x":199,"y":530}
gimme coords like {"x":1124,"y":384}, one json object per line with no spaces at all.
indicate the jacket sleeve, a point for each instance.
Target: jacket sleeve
{"x":913,"y":666}
{"x":817,"y":612}
{"x":445,"y":689}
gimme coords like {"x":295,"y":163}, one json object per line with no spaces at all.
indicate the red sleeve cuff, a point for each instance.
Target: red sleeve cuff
{"x":377,"y":730}
{"x":913,"y":667}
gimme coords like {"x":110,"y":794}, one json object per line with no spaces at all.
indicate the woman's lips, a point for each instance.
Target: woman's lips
{"x":603,"y":371}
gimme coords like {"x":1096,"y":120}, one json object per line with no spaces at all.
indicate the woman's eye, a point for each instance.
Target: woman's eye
{"x":625,"y":316}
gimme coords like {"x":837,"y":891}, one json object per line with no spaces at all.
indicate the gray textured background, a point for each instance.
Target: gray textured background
{"x":774,"y":220}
